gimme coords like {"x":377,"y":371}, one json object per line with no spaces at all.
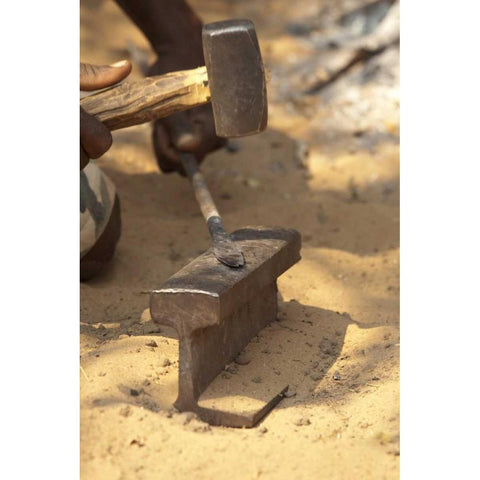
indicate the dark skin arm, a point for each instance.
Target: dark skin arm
{"x":175,"y":34}
{"x":168,"y":24}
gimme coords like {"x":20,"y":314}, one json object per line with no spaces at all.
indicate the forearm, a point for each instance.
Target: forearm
{"x":168,"y":25}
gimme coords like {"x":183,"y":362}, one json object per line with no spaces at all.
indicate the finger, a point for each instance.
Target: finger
{"x":94,"y":77}
{"x":205,"y":130}
{"x":83,"y":158}
{"x":182,"y":134}
{"x":95,"y":137}
{"x":203,"y":127}
{"x":166,"y":154}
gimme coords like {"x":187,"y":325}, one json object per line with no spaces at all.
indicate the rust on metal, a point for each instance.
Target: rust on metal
{"x":217,"y":310}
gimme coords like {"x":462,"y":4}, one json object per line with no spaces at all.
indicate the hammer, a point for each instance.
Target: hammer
{"x":232,"y":79}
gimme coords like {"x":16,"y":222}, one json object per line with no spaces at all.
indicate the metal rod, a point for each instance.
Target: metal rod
{"x":223,"y":246}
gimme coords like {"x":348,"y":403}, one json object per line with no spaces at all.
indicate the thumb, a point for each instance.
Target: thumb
{"x":94,"y":77}
{"x":182,"y":133}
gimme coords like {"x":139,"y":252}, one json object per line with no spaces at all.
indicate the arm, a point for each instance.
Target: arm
{"x":168,"y":25}
{"x":175,"y":34}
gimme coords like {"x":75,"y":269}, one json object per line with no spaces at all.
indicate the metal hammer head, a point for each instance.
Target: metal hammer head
{"x":236,"y":78}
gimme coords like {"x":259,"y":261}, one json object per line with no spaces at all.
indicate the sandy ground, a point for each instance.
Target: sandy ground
{"x":328,"y":167}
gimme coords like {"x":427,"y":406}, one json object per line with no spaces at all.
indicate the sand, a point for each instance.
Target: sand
{"x":328,"y":166}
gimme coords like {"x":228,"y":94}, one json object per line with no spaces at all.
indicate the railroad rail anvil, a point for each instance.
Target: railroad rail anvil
{"x":217,"y":310}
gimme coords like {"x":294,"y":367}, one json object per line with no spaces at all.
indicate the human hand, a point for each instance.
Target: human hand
{"x":95,"y":138}
{"x":189,"y":131}
{"x":174,"y":31}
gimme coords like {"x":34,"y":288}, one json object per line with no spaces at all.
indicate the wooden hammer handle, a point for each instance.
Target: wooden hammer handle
{"x":130,"y":104}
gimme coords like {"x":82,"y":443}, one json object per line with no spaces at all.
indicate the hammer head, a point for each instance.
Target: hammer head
{"x":236,"y":78}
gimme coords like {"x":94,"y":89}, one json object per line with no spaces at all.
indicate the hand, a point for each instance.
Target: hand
{"x":189,"y":131}
{"x":175,"y":34}
{"x":95,"y":138}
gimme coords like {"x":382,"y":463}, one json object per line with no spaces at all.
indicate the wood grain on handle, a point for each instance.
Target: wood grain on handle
{"x":130,"y":104}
